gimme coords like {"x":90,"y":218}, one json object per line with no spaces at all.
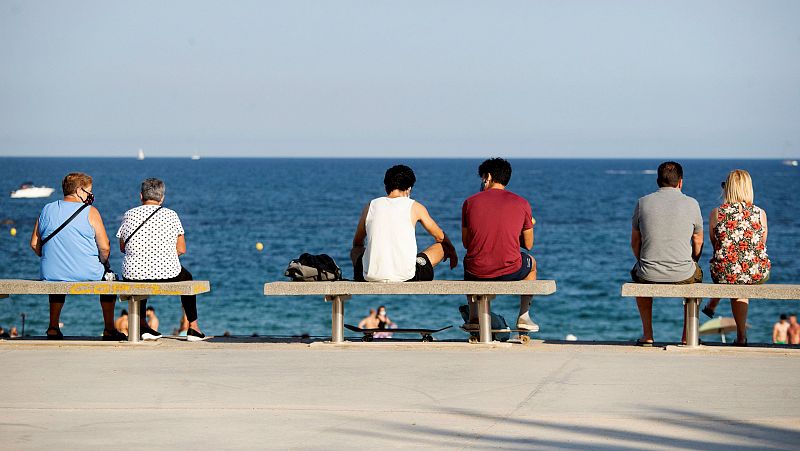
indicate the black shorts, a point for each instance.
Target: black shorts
{"x":520,"y":274}
{"x":424,"y":271}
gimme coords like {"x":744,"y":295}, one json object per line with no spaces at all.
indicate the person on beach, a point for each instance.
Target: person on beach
{"x":495,"y":223}
{"x":151,"y":238}
{"x":71,"y":240}
{"x":667,"y":241}
{"x":370,"y":321}
{"x":121,"y":323}
{"x":152,"y":319}
{"x":385,"y":243}
{"x":738,"y":232}
{"x":794,"y":330}
{"x":780,"y":331}
{"x":383,"y":323}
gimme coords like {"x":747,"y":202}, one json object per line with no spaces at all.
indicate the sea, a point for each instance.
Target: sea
{"x":582,"y":208}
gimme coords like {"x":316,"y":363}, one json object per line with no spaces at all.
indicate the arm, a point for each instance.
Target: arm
{"x":775,"y":333}
{"x":697,"y":245}
{"x":526,"y":238}
{"x":360,"y":236}
{"x":36,"y":242}
{"x":764,"y":226}
{"x":181,"y":245}
{"x":712,"y":224}
{"x":122,"y":245}
{"x":465,"y":237}
{"x":100,"y":236}
{"x":420,"y":213}
{"x":636,"y":242}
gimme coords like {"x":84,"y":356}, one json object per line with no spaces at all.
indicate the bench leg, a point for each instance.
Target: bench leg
{"x":484,"y":319}
{"x":692,"y":322}
{"x":337,"y":317}
{"x":134,"y":333}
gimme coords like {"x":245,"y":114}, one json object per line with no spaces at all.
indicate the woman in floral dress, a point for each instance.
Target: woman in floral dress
{"x":738,"y":232}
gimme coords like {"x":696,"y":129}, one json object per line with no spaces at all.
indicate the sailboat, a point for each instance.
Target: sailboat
{"x":141,"y":155}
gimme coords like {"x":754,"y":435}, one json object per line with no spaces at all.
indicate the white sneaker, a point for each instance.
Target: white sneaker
{"x":525,"y":322}
{"x":150,"y":335}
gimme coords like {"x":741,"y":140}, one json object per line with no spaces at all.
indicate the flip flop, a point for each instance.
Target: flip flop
{"x":644,"y":344}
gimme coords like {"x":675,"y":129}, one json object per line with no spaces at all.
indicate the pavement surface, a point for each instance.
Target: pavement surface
{"x":253,"y":394}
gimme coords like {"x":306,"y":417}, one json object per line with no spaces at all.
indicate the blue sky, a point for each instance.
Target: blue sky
{"x":412,"y":78}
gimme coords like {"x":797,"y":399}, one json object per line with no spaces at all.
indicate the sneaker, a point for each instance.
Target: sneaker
{"x":193,"y":335}
{"x":149,"y":334}
{"x":114,"y":335}
{"x":525,"y":322}
{"x":470,"y":326}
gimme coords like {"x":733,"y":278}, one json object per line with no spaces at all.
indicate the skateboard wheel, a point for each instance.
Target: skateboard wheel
{"x":524,"y":339}
{"x":427,"y":338}
{"x":473,"y":340}
{"x":366,"y":338}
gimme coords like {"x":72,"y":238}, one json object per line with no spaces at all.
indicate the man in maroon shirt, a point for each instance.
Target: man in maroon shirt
{"x":495,"y":223}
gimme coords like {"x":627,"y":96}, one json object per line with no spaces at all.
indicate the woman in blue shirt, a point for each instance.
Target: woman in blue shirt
{"x":76,"y":252}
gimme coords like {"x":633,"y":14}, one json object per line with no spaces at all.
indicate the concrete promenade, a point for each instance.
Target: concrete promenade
{"x":256,"y":395}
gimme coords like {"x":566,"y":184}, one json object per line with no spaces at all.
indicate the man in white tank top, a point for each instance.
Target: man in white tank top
{"x":385,"y":243}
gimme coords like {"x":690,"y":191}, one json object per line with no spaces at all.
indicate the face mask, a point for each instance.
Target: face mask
{"x":89,"y":197}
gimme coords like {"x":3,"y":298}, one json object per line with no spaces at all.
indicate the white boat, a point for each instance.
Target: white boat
{"x":28,"y":191}
{"x":195,"y":156}
{"x":141,"y":155}
{"x":790,"y":162}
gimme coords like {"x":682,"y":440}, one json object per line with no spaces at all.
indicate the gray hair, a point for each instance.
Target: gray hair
{"x":153,"y":189}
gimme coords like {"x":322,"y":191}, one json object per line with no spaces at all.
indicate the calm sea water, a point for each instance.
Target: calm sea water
{"x":582,"y":207}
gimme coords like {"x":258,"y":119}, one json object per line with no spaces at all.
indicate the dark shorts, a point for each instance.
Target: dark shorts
{"x":423,"y":273}
{"x":697,"y":277}
{"x":520,"y":274}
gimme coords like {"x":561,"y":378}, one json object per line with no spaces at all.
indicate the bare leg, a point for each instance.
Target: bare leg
{"x":645,"y":306}
{"x":107,"y":305}
{"x":473,"y":311}
{"x":711,"y":306}
{"x":524,"y":320}
{"x":435,"y":253}
{"x":739,"y":309}
{"x":55,"y":314}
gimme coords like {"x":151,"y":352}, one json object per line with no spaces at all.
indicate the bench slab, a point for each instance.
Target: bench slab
{"x":436,"y":287}
{"x":712,"y":290}
{"x":8,"y":287}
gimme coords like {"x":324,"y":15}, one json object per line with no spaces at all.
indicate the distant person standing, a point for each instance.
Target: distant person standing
{"x":495,"y":225}
{"x":71,"y":240}
{"x":738,"y":232}
{"x":152,"y":319}
{"x":667,"y":241}
{"x":152,"y":239}
{"x":794,"y":330}
{"x":780,"y":331}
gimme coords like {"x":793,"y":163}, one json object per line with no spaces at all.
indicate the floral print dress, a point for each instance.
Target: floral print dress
{"x":741,"y":256}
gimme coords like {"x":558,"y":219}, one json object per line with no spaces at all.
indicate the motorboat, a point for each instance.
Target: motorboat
{"x":28,"y":191}
{"x":790,"y":162}
{"x":195,"y":156}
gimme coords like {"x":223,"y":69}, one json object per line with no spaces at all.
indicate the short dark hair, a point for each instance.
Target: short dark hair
{"x":150,"y":309}
{"x":399,"y":177}
{"x":123,"y":313}
{"x":783,"y":316}
{"x":670,"y":174}
{"x":498,"y":167}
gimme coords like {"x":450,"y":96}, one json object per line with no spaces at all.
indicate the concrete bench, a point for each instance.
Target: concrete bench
{"x":693,"y":293}
{"x":481,"y":292}
{"x":132,"y":292}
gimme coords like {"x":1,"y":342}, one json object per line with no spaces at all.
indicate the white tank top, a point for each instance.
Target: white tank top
{"x":391,"y":248}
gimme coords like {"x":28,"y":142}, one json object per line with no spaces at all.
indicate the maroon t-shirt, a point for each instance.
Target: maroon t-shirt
{"x":495,"y":219}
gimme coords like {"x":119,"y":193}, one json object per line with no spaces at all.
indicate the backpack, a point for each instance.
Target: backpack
{"x":313,"y":268}
{"x":498,"y":322}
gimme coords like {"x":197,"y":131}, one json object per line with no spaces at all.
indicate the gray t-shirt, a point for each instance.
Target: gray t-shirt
{"x":667,"y":220}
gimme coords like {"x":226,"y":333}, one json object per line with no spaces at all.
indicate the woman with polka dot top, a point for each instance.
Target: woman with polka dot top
{"x":151,"y":252}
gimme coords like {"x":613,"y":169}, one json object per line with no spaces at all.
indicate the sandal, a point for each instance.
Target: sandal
{"x":644,"y":343}
{"x":56,"y":336}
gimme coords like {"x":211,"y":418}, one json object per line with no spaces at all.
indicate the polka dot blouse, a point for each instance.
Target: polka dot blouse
{"x":151,"y":253}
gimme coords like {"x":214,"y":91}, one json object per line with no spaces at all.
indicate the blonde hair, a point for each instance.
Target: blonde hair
{"x":73,"y":181}
{"x":738,"y":187}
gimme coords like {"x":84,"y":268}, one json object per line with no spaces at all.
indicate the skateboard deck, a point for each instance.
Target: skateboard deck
{"x":369,"y":334}
{"x":524,"y":335}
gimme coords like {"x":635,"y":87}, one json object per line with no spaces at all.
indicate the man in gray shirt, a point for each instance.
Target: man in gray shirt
{"x":667,"y":240}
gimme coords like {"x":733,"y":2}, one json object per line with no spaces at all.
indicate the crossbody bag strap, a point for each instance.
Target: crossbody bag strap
{"x":64,"y":224}
{"x":140,"y":226}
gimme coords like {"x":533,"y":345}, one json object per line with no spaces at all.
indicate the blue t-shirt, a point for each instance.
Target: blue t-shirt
{"x":72,"y":255}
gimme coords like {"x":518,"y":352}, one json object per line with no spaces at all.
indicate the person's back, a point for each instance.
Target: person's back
{"x":495,"y":218}
{"x":391,"y":244}
{"x":667,"y":219}
{"x":151,"y":253}
{"x":72,"y":254}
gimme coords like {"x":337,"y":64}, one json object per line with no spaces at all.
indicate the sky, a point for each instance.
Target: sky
{"x":569,"y":79}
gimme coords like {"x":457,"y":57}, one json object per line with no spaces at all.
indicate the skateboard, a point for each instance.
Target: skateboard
{"x":474,"y":334}
{"x":427,"y":334}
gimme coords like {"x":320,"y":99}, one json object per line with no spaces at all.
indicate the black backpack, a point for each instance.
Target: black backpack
{"x":310,"y":268}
